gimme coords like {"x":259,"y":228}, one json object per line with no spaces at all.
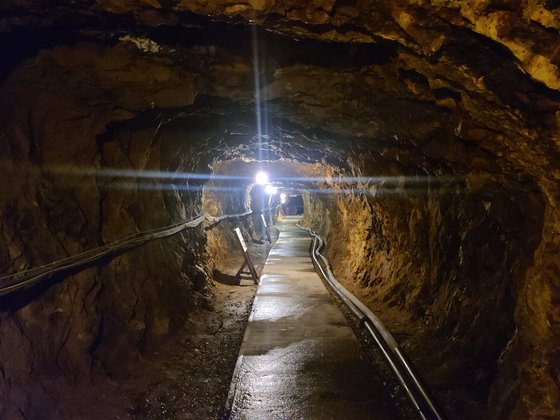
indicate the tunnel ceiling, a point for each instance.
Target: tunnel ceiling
{"x":450,"y":90}
{"x":432,"y":87}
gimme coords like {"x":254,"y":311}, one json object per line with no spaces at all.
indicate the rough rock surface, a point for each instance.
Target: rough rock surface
{"x":453,"y":106}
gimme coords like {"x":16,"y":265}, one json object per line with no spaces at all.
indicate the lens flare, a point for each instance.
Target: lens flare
{"x":270,"y":189}
{"x":261,"y":178}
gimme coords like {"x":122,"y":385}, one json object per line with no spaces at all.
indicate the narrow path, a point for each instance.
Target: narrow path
{"x":299,"y":358}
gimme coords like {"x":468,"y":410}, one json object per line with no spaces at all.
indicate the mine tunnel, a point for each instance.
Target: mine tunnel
{"x":408,"y":150}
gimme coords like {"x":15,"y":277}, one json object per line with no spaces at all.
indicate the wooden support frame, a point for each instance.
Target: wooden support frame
{"x":248,"y":263}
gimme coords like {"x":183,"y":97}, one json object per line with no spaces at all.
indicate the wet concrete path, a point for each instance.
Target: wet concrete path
{"x":299,"y":358}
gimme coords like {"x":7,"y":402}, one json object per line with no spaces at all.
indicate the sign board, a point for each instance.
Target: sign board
{"x":248,"y":263}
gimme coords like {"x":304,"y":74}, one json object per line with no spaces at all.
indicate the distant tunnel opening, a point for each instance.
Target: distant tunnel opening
{"x":294,"y":205}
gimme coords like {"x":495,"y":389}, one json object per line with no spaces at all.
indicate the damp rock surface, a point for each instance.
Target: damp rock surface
{"x":424,"y":136}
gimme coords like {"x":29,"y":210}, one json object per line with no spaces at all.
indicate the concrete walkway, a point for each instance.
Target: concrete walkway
{"x":299,"y":358}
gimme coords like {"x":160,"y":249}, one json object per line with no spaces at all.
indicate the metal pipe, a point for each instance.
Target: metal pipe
{"x":27,"y":278}
{"x":386,"y":343}
{"x":357,"y":313}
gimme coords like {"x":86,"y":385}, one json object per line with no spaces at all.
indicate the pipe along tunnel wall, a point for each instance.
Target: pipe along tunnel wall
{"x":425,"y":135}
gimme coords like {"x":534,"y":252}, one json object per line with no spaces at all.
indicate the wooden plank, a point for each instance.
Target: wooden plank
{"x":248,"y":263}
{"x":241,"y":240}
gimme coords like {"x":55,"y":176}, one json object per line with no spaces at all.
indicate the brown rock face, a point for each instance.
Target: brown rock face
{"x":424,"y":132}
{"x":440,"y":265}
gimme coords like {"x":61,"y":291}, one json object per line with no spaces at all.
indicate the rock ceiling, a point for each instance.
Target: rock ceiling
{"x":470,"y":85}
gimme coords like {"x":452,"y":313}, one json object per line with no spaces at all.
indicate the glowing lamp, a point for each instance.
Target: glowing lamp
{"x":269,"y":189}
{"x":261,"y":178}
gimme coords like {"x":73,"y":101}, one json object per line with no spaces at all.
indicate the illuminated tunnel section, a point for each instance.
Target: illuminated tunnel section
{"x":420,"y":141}
{"x":394,"y":235}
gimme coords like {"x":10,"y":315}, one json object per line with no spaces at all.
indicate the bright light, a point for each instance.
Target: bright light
{"x":269,"y":189}
{"x":282,"y":196}
{"x":261,"y":178}
{"x":283,"y":200}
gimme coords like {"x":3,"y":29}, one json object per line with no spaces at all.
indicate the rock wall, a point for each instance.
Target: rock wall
{"x":73,"y":158}
{"x":446,"y":267}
